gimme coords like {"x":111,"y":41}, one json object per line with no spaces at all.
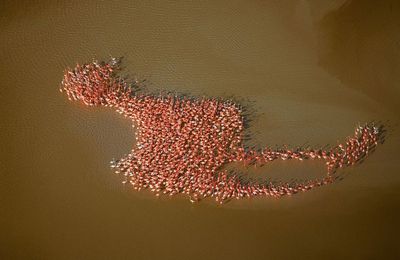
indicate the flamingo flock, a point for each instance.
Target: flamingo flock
{"x":183,"y":143}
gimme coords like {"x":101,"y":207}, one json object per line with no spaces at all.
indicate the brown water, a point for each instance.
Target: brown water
{"x":310,"y":69}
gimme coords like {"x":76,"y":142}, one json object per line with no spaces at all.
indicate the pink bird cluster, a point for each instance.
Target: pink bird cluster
{"x":182,"y":144}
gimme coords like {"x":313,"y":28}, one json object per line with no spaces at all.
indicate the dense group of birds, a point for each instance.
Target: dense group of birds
{"x":182,"y":144}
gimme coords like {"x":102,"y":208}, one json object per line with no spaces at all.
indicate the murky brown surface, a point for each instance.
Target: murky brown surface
{"x":311,"y":69}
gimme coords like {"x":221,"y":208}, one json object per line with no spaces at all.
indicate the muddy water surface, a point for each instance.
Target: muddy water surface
{"x":311,"y":70}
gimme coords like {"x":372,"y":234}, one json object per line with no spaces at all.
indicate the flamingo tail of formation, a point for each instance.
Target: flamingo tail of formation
{"x":182,"y":144}
{"x":354,"y":150}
